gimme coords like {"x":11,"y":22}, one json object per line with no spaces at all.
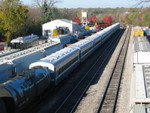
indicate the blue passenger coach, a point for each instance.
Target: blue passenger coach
{"x":85,"y":47}
{"x":60,"y":63}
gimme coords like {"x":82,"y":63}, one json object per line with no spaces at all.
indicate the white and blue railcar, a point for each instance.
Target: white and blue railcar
{"x":60,"y":63}
{"x":25,"y":42}
{"x":22,"y":62}
{"x":63,"y":39}
{"x":53,"y":68}
{"x":106,"y":33}
{"x":85,"y":47}
{"x":96,"y":39}
{"x":110,"y":30}
{"x":17,"y":63}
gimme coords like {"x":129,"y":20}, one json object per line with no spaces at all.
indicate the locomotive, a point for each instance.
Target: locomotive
{"x":52,"y":69}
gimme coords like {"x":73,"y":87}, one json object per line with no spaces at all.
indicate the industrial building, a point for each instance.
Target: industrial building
{"x":67,"y":26}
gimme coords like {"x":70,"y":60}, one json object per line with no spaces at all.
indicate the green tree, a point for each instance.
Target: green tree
{"x":47,"y":12}
{"x":147,"y":19}
{"x":13,"y":17}
{"x":48,"y":9}
{"x":51,"y":3}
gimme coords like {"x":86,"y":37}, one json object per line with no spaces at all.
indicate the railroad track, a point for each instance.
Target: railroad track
{"x":74,"y":97}
{"x":40,"y":106}
{"x":8,"y":52}
{"x":110,"y":95}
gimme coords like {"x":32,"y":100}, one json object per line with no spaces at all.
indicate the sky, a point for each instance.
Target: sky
{"x":90,"y":3}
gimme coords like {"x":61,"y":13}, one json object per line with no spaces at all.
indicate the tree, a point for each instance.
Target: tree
{"x":47,"y":8}
{"x":47,"y":12}
{"x":13,"y":17}
{"x":40,"y":3}
{"x":144,"y":1}
{"x":147,"y":19}
{"x":77,"y":19}
{"x":107,"y":19}
{"x":92,"y":19}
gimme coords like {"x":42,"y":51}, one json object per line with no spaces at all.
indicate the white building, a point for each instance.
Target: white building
{"x":48,"y":28}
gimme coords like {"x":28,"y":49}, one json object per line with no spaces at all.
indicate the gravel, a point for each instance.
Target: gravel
{"x":124,"y":102}
{"x":90,"y":102}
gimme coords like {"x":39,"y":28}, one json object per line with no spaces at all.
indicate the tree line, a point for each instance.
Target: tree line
{"x":17,"y":19}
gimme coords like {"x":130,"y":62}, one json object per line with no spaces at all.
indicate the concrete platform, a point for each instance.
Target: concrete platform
{"x":139,"y":82}
{"x":141,"y":75}
{"x":141,"y":58}
{"x":141,"y":44}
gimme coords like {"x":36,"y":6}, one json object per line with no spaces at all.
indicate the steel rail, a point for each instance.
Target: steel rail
{"x":32,"y":108}
{"x":105,"y":52}
{"x":110,"y":96}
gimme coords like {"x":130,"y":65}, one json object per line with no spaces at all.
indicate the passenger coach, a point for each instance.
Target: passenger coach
{"x":20,"y":90}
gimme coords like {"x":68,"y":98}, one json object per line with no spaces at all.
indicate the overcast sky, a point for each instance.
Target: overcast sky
{"x":91,"y":3}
